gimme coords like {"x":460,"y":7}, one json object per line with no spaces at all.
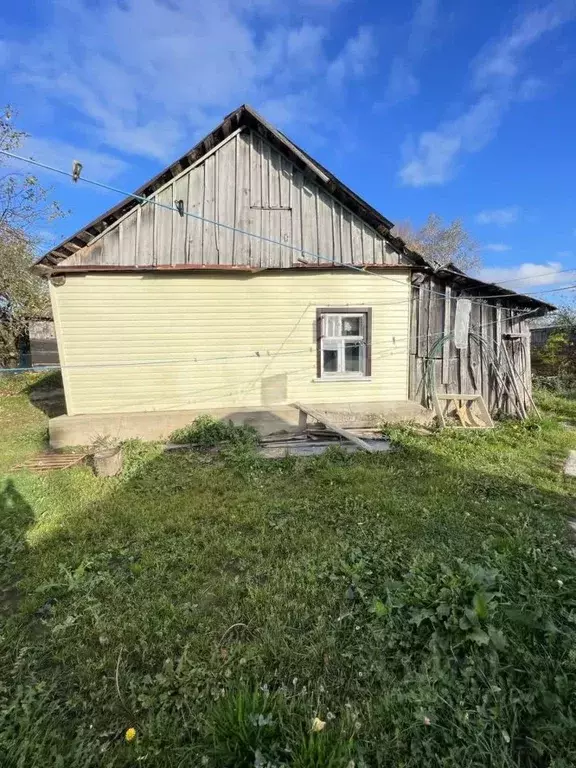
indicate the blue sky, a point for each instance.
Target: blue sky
{"x":464,"y":109}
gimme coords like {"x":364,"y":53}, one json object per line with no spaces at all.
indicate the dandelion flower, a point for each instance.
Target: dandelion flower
{"x":560,"y":582}
{"x":427,"y":721}
{"x":318,"y":725}
{"x":130,"y":734}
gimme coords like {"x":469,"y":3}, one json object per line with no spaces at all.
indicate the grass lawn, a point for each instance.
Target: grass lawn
{"x":420,"y":604}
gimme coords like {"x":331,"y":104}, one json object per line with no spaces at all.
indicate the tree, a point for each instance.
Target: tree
{"x":441,"y":244}
{"x":557,"y":358}
{"x":24,"y":206}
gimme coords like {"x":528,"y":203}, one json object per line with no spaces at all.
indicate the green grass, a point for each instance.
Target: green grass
{"x":421,"y":603}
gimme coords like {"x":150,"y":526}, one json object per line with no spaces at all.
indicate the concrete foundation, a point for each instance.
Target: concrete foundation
{"x":158,"y":425}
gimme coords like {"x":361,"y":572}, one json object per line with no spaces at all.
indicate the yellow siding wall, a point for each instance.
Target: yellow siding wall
{"x":265,"y":324}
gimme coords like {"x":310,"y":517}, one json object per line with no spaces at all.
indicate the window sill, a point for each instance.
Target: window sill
{"x":349,"y":379}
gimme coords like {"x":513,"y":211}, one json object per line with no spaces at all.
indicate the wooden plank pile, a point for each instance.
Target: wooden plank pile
{"x":314,"y":438}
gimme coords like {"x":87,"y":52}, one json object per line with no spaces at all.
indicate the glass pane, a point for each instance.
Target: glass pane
{"x":353,"y":357}
{"x":351,"y":326}
{"x":330,"y":360}
{"x":331,"y":323}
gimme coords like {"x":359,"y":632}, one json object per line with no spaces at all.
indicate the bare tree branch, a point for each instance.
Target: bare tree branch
{"x":443,"y":245}
{"x":24,"y":206}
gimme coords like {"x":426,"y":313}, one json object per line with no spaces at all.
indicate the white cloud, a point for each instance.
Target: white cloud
{"x":502,"y":217}
{"x":531,"y":88}
{"x":433,"y":157}
{"x":496,"y":247}
{"x":500,"y":61}
{"x":60,"y":154}
{"x":353,"y":59}
{"x":528,"y":274}
{"x":324,"y":3}
{"x":289,"y":110}
{"x":424,"y":22}
{"x":146,"y":76}
{"x":432,"y":160}
{"x":402,"y":81}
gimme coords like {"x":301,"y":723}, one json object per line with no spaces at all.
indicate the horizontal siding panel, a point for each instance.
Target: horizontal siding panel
{"x":169,"y":329}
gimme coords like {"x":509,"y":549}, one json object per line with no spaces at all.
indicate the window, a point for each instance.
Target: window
{"x":343,"y":338}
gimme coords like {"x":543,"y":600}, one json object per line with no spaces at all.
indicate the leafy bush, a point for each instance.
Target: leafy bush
{"x":207,"y":432}
{"x":563,"y":385}
{"x":557,"y":358}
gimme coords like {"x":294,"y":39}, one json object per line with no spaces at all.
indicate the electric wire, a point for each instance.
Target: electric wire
{"x":181,"y":212}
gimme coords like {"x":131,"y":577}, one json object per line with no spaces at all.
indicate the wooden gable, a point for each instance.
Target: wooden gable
{"x":246,"y":184}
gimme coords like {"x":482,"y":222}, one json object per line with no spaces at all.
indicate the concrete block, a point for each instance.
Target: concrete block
{"x":83,"y":429}
{"x":570,"y":465}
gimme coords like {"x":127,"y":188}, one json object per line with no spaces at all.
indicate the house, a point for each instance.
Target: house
{"x":42,"y":342}
{"x":36,"y":345}
{"x":299,"y":293}
{"x":539,"y":335}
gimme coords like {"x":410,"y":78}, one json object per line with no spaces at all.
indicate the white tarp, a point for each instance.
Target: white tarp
{"x":461,"y":323}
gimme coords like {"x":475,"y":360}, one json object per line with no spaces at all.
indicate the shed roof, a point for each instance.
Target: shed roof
{"x":246,"y":116}
{"x":470,"y":284}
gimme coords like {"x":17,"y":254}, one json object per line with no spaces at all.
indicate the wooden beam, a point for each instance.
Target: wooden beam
{"x":463,"y":408}
{"x":306,"y":409}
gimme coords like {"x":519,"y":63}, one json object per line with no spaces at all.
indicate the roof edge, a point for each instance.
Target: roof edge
{"x":457,"y":276}
{"x":243,"y":116}
{"x":247,"y":116}
{"x":115,"y":268}
{"x":448,"y":275}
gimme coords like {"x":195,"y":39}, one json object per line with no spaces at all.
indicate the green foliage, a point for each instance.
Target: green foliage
{"x":208,"y":432}
{"x":557,"y":357}
{"x":24,"y":206}
{"x":245,"y":728}
{"x":419,"y":603}
{"x":563,"y":406}
{"x":555,"y":362}
{"x":323,"y":750}
{"x":105,"y":443}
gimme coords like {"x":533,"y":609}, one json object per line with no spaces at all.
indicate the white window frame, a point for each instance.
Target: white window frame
{"x":326,"y":317}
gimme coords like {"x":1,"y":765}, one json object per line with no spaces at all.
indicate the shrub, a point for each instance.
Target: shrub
{"x":206,"y":431}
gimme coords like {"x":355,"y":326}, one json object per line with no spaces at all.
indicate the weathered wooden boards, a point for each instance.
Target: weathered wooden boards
{"x":45,"y":462}
{"x":245,"y":184}
{"x":471,"y":358}
{"x":470,"y":410}
{"x":312,"y":441}
{"x":307,"y":410}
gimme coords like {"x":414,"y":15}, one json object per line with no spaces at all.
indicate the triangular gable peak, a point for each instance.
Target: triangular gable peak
{"x":248,"y":176}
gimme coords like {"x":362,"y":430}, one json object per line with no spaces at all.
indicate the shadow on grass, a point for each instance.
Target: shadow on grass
{"x":194,"y":578}
{"x":16,"y":518}
{"x":46,"y":392}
